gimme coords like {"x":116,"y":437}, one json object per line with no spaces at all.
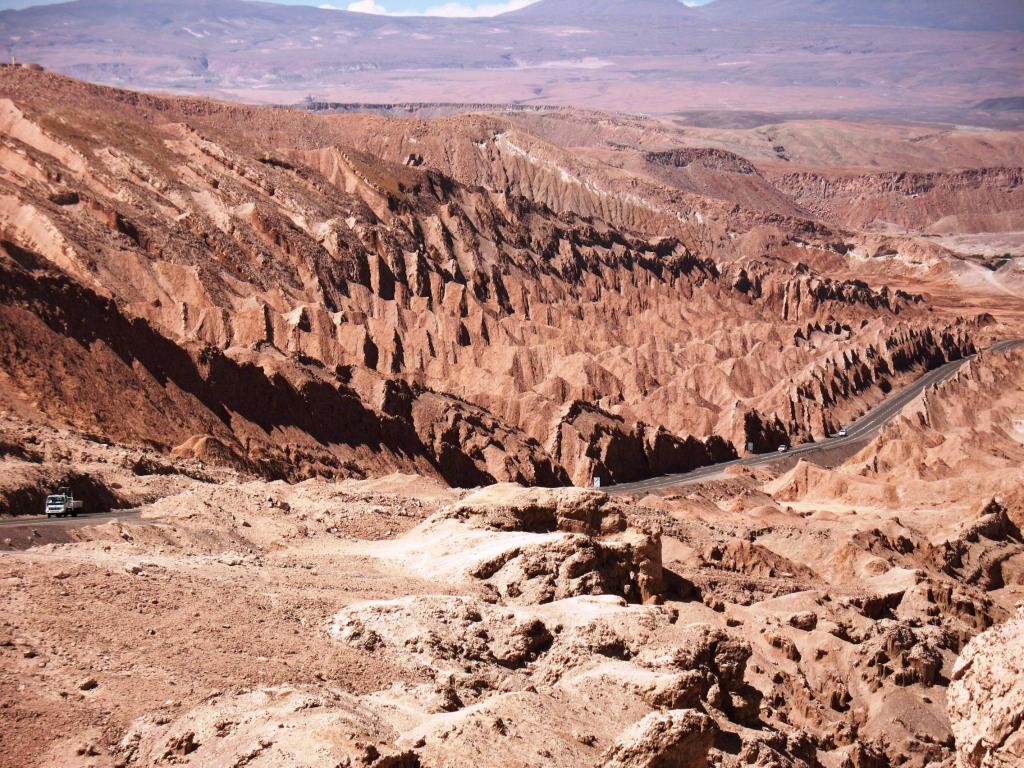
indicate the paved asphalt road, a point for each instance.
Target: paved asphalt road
{"x":99,"y":518}
{"x":858,"y":432}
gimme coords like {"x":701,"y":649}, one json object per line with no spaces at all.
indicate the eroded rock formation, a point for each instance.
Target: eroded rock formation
{"x":986,"y":698}
{"x":436,"y":317}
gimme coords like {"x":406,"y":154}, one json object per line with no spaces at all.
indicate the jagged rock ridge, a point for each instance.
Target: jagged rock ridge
{"x":458,"y":321}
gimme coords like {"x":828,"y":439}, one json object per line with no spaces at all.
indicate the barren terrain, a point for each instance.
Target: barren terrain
{"x":812,"y":618}
{"x":464,"y":298}
{"x":346,"y":370}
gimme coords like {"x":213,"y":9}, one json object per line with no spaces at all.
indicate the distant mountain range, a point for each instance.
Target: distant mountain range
{"x":586,"y":12}
{"x":988,"y":15}
{"x":626,"y":55}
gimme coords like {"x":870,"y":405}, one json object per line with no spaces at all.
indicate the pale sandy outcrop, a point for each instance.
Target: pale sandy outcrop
{"x":986,"y":698}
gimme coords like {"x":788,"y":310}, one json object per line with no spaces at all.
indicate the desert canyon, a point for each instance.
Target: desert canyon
{"x":335,"y":378}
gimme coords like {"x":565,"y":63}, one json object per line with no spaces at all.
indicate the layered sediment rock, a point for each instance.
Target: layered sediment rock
{"x":976,"y":200}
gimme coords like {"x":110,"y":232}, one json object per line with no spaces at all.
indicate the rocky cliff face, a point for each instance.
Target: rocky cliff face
{"x":591,"y":443}
{"x":415,"y":319}
{"x":90,"y":366}
{"x":976,"y":200}
{"x":986,"y":698}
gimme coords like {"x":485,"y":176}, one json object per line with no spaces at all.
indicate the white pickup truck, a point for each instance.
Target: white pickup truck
{"x":62,"y":503}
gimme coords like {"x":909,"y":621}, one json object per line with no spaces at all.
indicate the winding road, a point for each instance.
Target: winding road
{"x":858,"y":432}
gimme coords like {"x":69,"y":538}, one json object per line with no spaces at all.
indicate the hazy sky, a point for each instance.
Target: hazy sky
{"x":431,"y":7}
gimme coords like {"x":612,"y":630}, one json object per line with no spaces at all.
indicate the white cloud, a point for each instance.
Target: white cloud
{"x":363,"y":6}
{"x":482,"y":9}
{"x":450,"y":9}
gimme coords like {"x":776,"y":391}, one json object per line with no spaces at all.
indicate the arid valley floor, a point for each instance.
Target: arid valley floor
{"x":353,"y":375}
